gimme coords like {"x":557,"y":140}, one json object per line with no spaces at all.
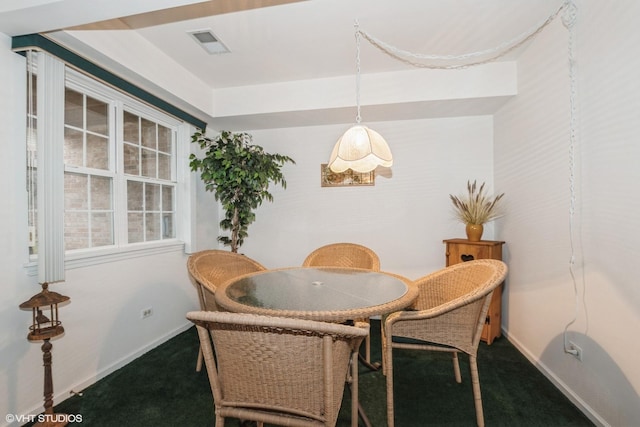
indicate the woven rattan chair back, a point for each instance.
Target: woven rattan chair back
{"x":448,"y":315}
{"x":209,"y":269}
{"x":276,"y":370}
{"x":343,"y":255}
{"x":212,"y":267}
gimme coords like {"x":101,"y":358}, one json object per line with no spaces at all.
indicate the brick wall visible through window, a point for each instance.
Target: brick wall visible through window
{"x":89,"y":172}
{"x":118,"y":160}
{"x":92,"y":146}
{"x":148,"y":158}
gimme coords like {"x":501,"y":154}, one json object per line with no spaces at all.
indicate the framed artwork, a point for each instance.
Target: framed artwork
{"x":328,"y":178}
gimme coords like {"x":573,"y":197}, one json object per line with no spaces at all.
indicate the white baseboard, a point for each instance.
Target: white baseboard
{"x":63,"y":395}
{"x":551,"y":376}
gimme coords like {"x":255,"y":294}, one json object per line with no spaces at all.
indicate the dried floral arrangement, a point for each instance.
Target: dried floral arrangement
{"x":476,"y":207}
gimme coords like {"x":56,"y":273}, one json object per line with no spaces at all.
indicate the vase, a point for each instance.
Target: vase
{"x":474,"y":232}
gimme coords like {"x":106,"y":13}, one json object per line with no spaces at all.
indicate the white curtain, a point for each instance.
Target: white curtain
{"x":50,"y":165}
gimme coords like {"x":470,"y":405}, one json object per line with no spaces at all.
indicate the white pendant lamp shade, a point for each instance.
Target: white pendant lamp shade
{"x":360,"y":149}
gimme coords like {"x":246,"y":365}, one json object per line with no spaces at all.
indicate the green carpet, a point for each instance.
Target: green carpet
{"x":162,"y":388}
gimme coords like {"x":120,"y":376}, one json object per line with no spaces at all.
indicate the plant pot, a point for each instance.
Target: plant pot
{"x":474,"y":232}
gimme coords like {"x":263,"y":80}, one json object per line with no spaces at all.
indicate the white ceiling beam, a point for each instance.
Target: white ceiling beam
{"x":18,"y":17}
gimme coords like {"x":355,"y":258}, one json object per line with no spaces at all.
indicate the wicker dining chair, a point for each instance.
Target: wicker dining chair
{"x":448,"y":315}
{"x":281,"y":371}
{"x":345,"y":255}
{"x":209,"y":269}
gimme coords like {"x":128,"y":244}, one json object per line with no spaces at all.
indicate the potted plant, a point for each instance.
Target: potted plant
{"x":239,"y":174}
{"x":475,"y":209}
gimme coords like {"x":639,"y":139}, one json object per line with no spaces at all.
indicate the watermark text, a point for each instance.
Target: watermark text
{"x":43,"y":418}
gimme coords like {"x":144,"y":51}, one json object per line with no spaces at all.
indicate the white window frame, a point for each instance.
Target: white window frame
{"x":117,"y":102}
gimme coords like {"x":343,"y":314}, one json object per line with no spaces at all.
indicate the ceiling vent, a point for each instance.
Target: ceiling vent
{"x":208,"y":41}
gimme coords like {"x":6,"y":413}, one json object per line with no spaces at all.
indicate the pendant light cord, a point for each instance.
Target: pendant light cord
{"x":468,"y":59}
{"x":357,"y":27}
{"x":568,"y":20}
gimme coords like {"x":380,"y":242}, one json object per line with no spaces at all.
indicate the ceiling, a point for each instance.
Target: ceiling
{"x":272,"y":41}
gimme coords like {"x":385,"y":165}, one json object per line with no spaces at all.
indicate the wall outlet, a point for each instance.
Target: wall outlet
{"x":147,"y":312}
{"x":575,"y":350}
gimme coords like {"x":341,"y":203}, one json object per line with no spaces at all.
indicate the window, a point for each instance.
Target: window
{"x":148,"y":164}
{"x":121,"y":175}
{"x":89,"y":172}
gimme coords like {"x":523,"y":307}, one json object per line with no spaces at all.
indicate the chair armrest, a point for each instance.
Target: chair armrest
{"x":416,"y":314}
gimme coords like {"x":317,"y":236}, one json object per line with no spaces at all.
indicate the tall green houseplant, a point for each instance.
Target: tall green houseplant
{"x":239,"y":174}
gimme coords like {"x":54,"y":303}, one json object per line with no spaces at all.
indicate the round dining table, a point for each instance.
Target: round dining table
{"x":331,"y":294}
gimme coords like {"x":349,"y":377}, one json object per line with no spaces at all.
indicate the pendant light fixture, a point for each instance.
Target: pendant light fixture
{"x":360,"y":148}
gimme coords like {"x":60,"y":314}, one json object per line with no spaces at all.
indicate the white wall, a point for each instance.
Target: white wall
{"x":532,"y":166}
{"x":404,"y":217}
{"x":102,"y":321}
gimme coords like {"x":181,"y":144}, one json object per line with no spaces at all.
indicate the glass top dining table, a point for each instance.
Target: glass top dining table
{"x":317,"y":293}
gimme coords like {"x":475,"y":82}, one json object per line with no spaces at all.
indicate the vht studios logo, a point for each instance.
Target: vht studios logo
{"x":44,"y":418}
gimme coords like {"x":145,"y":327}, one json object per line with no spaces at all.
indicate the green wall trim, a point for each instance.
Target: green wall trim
{"x":38,"y":42}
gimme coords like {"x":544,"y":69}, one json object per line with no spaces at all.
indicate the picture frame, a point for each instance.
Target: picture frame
{"x":348,"y":178}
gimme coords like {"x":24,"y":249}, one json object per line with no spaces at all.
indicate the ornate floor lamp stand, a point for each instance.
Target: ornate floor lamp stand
{"x":44,"y":328}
